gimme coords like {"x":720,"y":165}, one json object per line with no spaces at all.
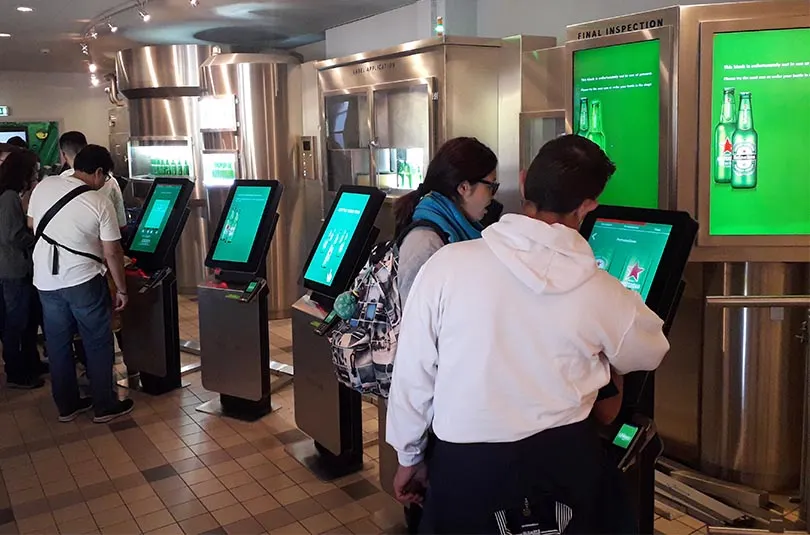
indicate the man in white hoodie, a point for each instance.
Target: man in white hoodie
{"x":504,"y":344}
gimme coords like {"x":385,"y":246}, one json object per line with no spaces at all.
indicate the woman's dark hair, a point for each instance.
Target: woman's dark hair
{"x":567,"y":171}
{"x":461,"y":159}
{"x":17,"y":171}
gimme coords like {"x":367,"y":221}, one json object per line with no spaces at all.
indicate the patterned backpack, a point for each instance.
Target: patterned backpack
{"x":364,"y":346}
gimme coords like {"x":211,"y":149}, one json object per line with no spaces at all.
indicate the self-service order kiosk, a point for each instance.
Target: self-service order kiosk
{"x":647,"y":250}
{"x":327,"y":411}
{"x":234,"y":322}
{"x":151,"y":341}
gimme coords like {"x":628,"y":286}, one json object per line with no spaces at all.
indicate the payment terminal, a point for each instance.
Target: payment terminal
{"x":324,"y":409}
{"x":647,"y":250}
{"x":151,"y":338}
{"x":234,"y":323}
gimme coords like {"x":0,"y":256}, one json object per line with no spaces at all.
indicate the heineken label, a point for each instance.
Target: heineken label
{"x":744,"y":157}
{"x":634,"y":274}
{"x":726,"y":152}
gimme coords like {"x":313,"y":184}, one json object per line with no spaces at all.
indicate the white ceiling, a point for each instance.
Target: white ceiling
{"x":47,"y":39}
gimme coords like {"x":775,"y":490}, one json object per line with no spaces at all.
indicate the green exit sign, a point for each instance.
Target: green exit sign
{"x":5,"y":111}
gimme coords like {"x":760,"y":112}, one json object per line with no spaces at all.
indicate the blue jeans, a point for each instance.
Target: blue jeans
{"x":86,"y":308}
{"x":15,"y":300}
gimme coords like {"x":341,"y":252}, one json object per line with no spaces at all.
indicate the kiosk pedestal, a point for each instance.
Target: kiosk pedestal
{"x":325,"y":410}
{"x":236,"y":356}
{"x":151,"y":343}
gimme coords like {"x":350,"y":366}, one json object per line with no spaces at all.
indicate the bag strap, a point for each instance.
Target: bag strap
{"x":422,"y":223}
{"x":49,"y":215}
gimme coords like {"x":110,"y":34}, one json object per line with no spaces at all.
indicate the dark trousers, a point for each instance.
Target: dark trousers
{"x":16,"y":301}
{"x":468,"y":483}
{"x":30,"y":340}
{"x":85,"y":309}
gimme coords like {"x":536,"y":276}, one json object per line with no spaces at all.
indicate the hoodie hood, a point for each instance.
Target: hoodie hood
{"x":549,"y":259}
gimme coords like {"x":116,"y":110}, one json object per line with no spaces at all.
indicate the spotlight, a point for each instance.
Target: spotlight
{"x":24,"y":9}
{"x":93,"y":33}
{"x":92,"y":67}
{"x":85,"y":49}
{"x":145,"y":16}
{"x":194,"y":3}
{"x":113,"y":27}
{"x":94,"y":80}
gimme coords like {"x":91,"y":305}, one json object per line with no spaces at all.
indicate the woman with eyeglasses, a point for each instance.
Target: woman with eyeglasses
{"x":448,"y":206}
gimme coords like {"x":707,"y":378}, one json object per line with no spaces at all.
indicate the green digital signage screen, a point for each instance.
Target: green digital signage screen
{"x":617,"y":106}
{"x":235,"y":241}
{"x":760,"y":168}
{"x":336,"y":238}
{"x":155,"y":217}
{"x":630,"y":251}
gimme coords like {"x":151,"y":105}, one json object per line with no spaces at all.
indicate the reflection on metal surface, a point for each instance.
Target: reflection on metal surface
{"x":171,"y":69}
{"x":266,"y":151}
{"x":752,"y":377}
{"x":192,"y":347}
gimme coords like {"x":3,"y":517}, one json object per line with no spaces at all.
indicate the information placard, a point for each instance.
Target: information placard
{"x":760,"y":171}
{"x":617,"y":105}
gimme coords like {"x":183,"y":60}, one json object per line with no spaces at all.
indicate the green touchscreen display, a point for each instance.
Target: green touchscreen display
{"x":242,"y":222}
{"x":625,"y":436}
{"x":617,"y":106}
{"x":336,"y":238}
{"x":630,"y":251}
{"x":155,"y":218}
{"x":760,"y":170}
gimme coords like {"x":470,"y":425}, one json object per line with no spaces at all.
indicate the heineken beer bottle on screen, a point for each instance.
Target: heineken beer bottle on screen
{"x":722,"y":148}
{"x":744,"y":147}
{"x":595,"y":133}
{"x":582,"y":127}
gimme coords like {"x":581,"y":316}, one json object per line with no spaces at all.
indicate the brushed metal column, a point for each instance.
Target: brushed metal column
{"x":753,"y":375}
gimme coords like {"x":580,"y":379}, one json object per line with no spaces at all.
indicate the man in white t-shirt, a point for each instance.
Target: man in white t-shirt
{"x":69,"y":272}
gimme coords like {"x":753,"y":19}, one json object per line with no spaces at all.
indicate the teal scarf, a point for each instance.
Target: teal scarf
{"x":444,"y":213}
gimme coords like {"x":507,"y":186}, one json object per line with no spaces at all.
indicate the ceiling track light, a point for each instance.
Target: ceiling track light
{"x":93,"y":34}
{"x":194,"y":3}
{"x":113,"y":27}
{"x":92,"y":67}
{"x":85,"y":49}
{"x":145,"y":16}
{"x":94,"y":80}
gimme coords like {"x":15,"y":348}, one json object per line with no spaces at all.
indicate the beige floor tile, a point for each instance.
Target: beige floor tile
{"x":179,"y":454}
{"x":218,"y":501}
{"x":349,"y":513}
{"x":25,"y":496}
{"x":176,"y":496}
{"x":59,"y":487}
{"x":127,"y":527}
{"x":113,"y":516}
{"x":223,"y":469}
{"x":320,"y":523}
{"x":252,"y":460}
{"x":248,"y":526}
{"x":171,"y":529}
{"x":261,"y":504}
{"x":155,"y":520}
{"x":138,"y":493}
{"x":199,"y":524}
{"x":121,"y":469}
{"x":275,"y":519}
{"x":80,"y":525}
{"x":104,"y":503}
{"x":187,"y":510}
{"x":296,"y":528}
{"x":315,"y":488}
{"x":672,"y":527}
{"x":207,"y":488}
{"x":277,"y":483}
{"x":37,"y":524}
{"x":91,"y":478}
{"x":72,"y":512}
{"x":290,"y":495}
{"x":237,"y":479}
{"x":249,"y":491}
{"x":364,"y":526}
{"x":265,"y":470}
{"x":146,"y":506}
{"x":197,"y":476}
{"x":231,"y":514}
{"x":693,"y":523}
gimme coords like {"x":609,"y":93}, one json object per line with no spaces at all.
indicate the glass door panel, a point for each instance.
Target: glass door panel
{"x":348,"y":137}
{"x":536,"y":131}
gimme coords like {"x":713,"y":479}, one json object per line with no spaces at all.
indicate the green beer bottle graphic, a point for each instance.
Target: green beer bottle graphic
{"x":595,"y":133}
{"x":744,"y":147}
{"x":723,"y":148}
{"x":582,"y":127}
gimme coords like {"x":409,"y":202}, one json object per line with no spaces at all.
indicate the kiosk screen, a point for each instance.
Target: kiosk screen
{"x":155,"y":218}
{"x":617,"y":106}
{"x":630,"y":251}
{"x":235,"y":241}
{"x":335,"y":240}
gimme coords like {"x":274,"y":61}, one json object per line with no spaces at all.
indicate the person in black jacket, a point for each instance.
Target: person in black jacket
{"x":17,"y":176}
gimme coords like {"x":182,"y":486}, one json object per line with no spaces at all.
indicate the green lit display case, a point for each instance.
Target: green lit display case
{"x":753,"y":167}
{"x":620,"y":97}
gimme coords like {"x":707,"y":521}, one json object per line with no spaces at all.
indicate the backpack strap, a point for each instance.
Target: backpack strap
{"x":422,"y":223}
{"x":46,"y":219}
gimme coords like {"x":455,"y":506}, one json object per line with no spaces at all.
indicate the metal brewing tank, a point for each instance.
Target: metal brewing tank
{"x":162,"y":84}
{"x":753,"y":377}
{"x":266,"y":150}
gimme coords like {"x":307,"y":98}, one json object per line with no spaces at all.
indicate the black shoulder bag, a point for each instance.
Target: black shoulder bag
{"x":49,"y":215}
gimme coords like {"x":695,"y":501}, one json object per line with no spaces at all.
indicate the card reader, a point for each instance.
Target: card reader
{"x":629,"y":437}
{"x":252,"y":290}
{"x":327,"y":324}
{"x":155,"y":279}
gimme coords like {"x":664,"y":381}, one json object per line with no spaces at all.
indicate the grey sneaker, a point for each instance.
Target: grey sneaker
{"x":85,"y":404}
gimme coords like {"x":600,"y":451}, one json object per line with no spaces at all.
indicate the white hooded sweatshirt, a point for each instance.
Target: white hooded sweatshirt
{"x":501,"y":338}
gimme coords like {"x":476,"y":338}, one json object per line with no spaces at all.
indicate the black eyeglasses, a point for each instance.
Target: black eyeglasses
{"x":493,"y":186}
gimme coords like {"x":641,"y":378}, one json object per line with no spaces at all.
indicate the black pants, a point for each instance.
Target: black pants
{"x":468,"y":483}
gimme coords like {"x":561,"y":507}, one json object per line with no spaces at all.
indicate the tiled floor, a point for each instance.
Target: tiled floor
{"x":170,"y":469}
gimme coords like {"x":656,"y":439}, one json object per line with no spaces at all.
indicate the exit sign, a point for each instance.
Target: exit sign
{"x":5,"y":111}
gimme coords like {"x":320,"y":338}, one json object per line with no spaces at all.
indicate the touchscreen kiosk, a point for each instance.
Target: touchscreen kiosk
{"x":645,"y":249}
{"x":161,"y":222}
{"x":343,"y":238}
{"x":243,"y":234}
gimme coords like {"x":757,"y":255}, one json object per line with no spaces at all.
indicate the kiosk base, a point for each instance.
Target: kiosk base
{"x":238,"y":408}
{"x":325,"y":410}
{"x":151,"y":342}
{"x":323,"y":463}
{"x":235,"y":356}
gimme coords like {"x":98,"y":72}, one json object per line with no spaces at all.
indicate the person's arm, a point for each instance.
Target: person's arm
{"x":606,"y":410}
{"x":417,"y":248}
{"x":410,"y":405}
{"x":110,"y":236}
{"x":13,"y":229}
{"x":117,"y":199}
{"x":643,"y":345}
